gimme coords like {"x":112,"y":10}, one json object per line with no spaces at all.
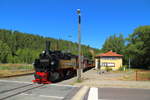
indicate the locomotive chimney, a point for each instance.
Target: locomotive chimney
{"x":47,"y":45}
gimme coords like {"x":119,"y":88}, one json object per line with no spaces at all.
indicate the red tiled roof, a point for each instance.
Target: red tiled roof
{"x":110,"y":53}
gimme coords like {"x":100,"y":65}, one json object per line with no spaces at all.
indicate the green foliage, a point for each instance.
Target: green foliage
{"x":108,"y":69}
{"x":138,"y":48}
{"x":79,"y":81}
{"x":25,"y":55}
{"x":123,"y":68}
{"x":18,"y":47}
{"x":114,"y":43}
{"x":5,"y":52}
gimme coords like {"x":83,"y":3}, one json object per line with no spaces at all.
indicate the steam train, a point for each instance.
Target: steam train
{"x":53,"y":66}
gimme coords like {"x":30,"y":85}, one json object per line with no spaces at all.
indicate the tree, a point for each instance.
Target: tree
{"x":114,"y":43}
{"x":4,"y":52}
{"x":26,"y":56}
{"x":25,"y":47}
{"x":138,"y":47}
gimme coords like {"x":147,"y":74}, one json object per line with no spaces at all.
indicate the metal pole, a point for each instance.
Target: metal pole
{"x":70,"y":48}
{"x":136,"y":75}
{"x":79,"y":46}
{"x":129,"y":64}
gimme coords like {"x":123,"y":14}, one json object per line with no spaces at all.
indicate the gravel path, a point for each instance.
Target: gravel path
{"x":107,"y":79}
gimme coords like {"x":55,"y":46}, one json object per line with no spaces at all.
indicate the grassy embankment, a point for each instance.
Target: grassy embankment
{"x":15,"y":69}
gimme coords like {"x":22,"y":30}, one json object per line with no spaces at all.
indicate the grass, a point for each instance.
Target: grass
{"x":78,"y":81}
{"x":15,"y":69}
{"x":16,"y":66}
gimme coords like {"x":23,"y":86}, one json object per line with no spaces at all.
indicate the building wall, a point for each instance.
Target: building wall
{"x":109,"y":62}
{"x":96,"y":63}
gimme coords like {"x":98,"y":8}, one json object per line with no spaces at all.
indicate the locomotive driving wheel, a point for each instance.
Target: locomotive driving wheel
{"x":54,"y":76}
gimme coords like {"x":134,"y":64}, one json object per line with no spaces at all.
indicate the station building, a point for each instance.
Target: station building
{"x":110,"y":60}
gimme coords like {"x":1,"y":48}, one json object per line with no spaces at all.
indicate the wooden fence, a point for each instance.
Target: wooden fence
{"x":142,"y":75}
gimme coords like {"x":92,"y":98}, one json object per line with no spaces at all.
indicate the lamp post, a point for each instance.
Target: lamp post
{"x":70,"y":48}
{"x":79,"y":46}
{"x":129,"y":64}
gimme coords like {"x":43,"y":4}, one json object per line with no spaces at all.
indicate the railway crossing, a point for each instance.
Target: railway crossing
{"x":19,"y":90}
{"x":15,"y":90}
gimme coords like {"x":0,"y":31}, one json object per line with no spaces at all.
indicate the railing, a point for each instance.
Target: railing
{"x":142,"y":75}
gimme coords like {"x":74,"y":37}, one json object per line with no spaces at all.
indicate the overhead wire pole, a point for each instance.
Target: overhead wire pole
{"x":79,"y":46}
{"x":70,"y":48}
{"x":129,"y":64}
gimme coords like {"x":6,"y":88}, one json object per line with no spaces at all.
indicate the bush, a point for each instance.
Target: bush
{"x":123,"y":68}
{"x":108,"y":69}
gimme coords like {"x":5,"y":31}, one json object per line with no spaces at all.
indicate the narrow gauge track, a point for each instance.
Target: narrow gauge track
{"x":4,"y":91}
{"x":18,"y":90}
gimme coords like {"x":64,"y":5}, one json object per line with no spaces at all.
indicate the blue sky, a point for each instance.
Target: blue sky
{"x":58,"y":18}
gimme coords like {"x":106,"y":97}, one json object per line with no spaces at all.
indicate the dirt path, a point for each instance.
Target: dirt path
{"x":107,"y":79}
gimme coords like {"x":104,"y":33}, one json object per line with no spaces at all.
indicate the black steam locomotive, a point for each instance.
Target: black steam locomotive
{"x":52,"y":66}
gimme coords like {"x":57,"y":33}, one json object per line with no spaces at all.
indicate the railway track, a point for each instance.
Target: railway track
{"x":5,"y":94}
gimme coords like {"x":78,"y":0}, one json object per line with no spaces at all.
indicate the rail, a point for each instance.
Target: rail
{"x":18,"y":90}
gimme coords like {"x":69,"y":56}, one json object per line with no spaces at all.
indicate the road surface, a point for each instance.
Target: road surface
{"x":15,"y":90}
{"x":123,"y":94}
{"x":18,"y":88}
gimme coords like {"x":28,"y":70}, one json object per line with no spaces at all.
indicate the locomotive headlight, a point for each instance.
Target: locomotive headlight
{"x":52,"y":63}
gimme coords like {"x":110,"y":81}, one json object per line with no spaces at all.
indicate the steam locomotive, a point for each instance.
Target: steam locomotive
{"x":53,"y":66}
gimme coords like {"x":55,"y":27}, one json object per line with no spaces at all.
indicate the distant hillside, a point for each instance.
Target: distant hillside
{"x":19,"y":47}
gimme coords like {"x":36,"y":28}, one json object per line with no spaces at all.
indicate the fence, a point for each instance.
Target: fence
{"x":142,"y":75}
{"x":15,"y":69}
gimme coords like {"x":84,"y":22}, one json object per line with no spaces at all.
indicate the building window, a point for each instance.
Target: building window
{"x":110,"y":64}
{"x":107,"y":64}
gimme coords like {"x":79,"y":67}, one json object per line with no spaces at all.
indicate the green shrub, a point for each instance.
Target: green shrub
{"x":123,"y":68}
{"x":108,"y":69}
